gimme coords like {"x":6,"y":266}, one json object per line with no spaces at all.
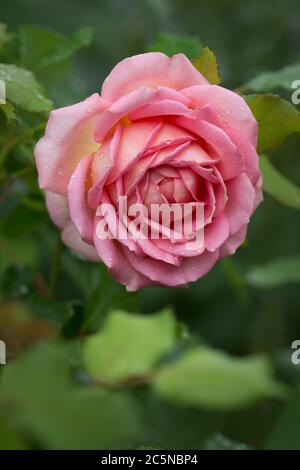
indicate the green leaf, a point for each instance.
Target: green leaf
{"x":279,"y":187}
{"x":276,"y":272}
{"x":8,"y":110}
{"x":171,"y":44}
{"x":276,"y":118}
{"x":269,"y":81}
{"x":129,"y":345}
{"x":38,"y":397}
{"x":211,"y":379}
{"x":23,"y":89}
{"x":207,"y":64}
{"x":42,"y":48}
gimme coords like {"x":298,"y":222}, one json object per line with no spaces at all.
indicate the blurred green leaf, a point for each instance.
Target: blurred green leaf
{"x":269,"y":81}
{"x":48,"y":53}
{"x":207,"y":64}
{"x":8,"y":110}
{"x":23,"y":89}
{"x":129,"y":345}
{"x":210,"y":379}
{"x":276,"y":118}
{"x":171,"y":44}
{"x":279,"y":187}
{"x":37,"y":397}
{"x":276,"y":272}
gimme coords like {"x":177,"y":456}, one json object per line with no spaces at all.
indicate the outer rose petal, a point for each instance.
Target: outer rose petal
{"x":241,"y":200}
{"x":111,"y":253}
{"x":190,"y":269}
{"x":231,"y":109}
{"x":58,"y":209}
{"x":68,"y":138}
{"x":233,"y":243}
{"x":79,"y":211}
{"x":216,"y":233}
{"x":71,"y":238}
{"x":150,"y":70}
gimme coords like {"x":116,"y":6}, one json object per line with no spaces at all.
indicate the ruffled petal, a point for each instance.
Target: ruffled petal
{"x":152,"y":70}
{"x":68,"y":138}
{"x":112,"y":254}
{"x":80,"y":213}
{"x":190,"y":269}
{"x":231,"y":161}
{"x":231,"y":109}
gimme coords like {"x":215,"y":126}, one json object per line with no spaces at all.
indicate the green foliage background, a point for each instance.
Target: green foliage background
{"x":213,"y":370}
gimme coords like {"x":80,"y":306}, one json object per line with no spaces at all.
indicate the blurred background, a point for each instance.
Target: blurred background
{"x":45,"y":289}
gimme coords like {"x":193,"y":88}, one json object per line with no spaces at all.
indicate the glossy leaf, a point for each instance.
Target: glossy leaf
{"x":277,"y":119}
{"x":207,"y":64}
{"x":23,"y":89}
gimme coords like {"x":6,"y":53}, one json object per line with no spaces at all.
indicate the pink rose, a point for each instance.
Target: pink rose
{"x":159,"y":133}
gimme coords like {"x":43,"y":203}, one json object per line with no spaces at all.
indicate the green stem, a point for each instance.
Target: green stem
{"x":236,"y":280}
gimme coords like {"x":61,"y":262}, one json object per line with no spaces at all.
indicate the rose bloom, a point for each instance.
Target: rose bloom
{"x":158,"y":133}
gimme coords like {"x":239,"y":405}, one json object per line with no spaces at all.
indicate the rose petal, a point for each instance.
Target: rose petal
{"x":80,"y":213}
{"x":233,"y":242}
{"x":190,"y":269}
{"x":231,"y":109}
{"x":216,"y":233}
{"x":58,"y":209}
{"x":70,"y":236}
{"x":134,"y":140}
{"x":151,"y":70}
{"x":231,"y":162}
{"x":127,"y":104}
{"x":68,"y":138}
{"x":112,"y":255}
{"x":241,"y":198}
